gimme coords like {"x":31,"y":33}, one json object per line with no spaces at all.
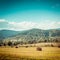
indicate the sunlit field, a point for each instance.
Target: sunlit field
{"x":29,"y":53}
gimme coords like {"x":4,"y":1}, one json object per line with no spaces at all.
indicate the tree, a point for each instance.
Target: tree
{"x":9,"y":43}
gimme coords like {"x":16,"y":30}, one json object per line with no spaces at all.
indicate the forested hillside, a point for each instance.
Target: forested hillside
{"x":31,"y":36}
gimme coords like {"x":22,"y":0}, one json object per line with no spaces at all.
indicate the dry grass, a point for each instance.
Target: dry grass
{"x":30,"y":53}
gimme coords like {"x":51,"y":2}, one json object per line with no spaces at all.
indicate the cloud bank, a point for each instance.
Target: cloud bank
{"x":25,"y":25}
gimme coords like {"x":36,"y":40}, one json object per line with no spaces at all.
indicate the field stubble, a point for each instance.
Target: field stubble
{"x":30,"y":53}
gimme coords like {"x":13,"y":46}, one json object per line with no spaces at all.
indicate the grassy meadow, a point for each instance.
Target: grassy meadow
{"x":30,"y":53}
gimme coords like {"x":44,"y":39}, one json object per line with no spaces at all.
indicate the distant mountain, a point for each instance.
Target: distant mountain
{"x":58,"y":28}
{"x":29,"y":35}
{"x":7,"y":33}
{"x":40,"y":32}
{"x":36,"y":35}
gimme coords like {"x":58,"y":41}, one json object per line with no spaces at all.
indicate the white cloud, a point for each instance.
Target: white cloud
{"x":3,"y":24}
{"x":12,"y":23}
{"x":22,"y":25}
{"x":2,"y":20}
{"x":47,"y":24}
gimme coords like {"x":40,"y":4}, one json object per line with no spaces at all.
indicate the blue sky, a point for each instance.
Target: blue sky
{"x":27,"y":14}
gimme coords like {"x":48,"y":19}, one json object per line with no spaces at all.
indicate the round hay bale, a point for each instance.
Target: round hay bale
{"x":52,"y":45}
{"x":16,"y":47}
{"x":39,"y":49}
{"x":58,"y":46}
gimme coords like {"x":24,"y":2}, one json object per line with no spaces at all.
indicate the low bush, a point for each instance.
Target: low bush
{"x":26,"y":46}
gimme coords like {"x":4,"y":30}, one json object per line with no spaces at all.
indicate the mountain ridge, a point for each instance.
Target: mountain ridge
{"x":29,"y":35}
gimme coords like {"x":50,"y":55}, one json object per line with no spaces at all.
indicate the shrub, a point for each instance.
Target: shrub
{"x":4,"y":44}
{"x":26,"y":46}
{"x":0,"y":45}
{"x":9,"y":43}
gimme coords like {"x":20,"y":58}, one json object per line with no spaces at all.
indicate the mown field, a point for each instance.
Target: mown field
{"x":30,"y":53}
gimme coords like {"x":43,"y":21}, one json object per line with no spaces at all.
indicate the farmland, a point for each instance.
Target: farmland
{"x":30,"y":53}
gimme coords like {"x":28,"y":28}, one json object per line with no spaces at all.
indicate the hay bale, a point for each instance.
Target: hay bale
{"x":39,"y":49}
{"x":58,"y":46}
{"x":52,"y":45}
{"x":16,"y":47}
